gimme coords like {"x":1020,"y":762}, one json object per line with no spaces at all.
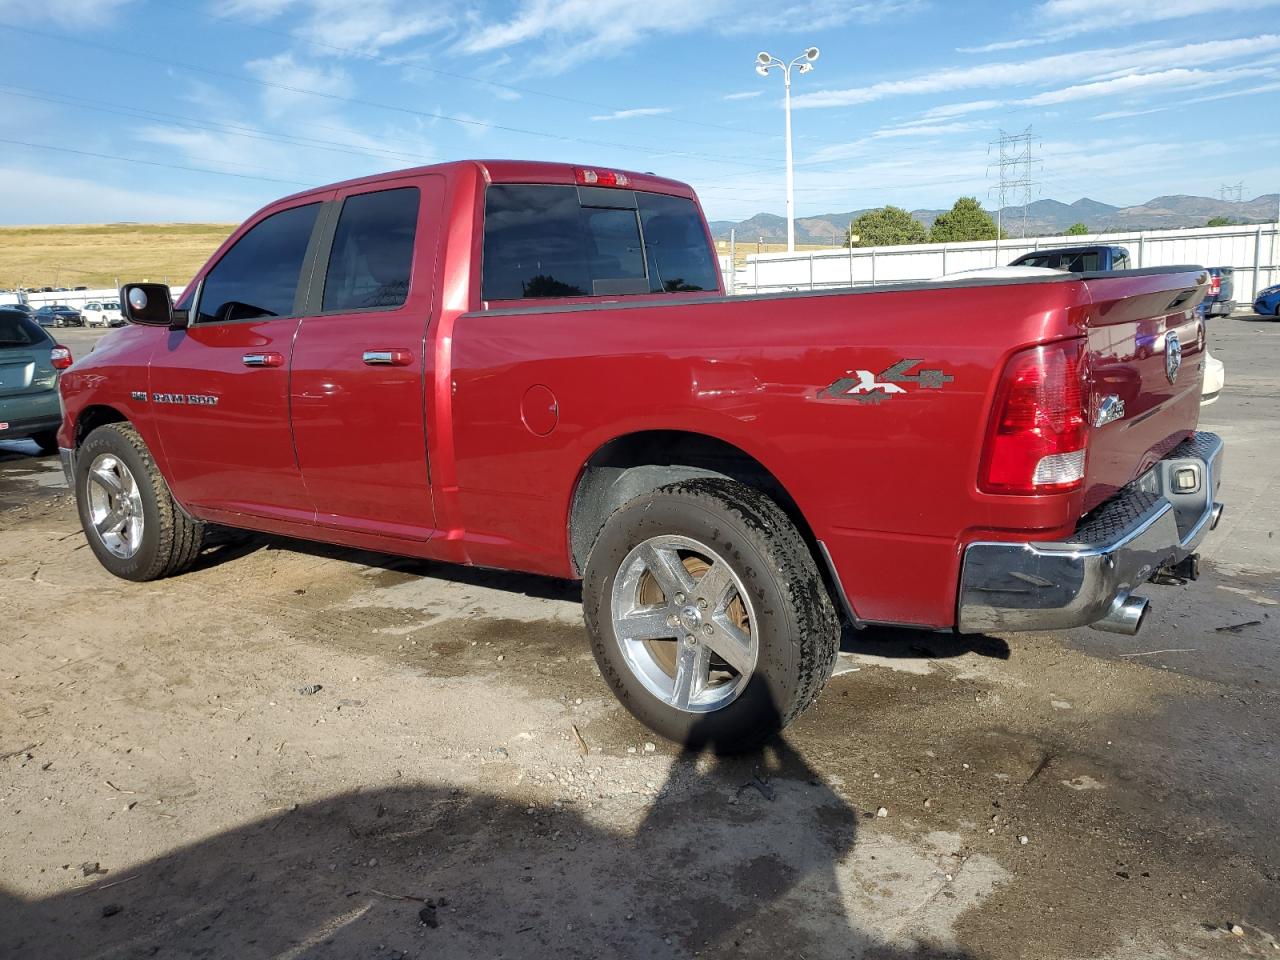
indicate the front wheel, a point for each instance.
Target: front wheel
{"x":133,"y":525}
{"x":707,"y":615}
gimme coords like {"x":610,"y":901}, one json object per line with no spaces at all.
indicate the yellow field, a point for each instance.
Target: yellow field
{"x":103,"y":255}
{"x":745,"y":249}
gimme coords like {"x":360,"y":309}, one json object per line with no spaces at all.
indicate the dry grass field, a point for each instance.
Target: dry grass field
{"x":744,"y":249}
{"x":99,"y":255}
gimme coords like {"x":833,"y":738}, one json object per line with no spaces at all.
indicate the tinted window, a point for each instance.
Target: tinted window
{"x":258,"y":277}
{"x":535,"y":243}
{"x":541,"y":241}
{"x":17,"y":331}
{"x":1081,"y":262}
{"x":676,"y":244}
{"x":1121,"y":262}
{"x":372,"y":251}
{"x":1033,"y":261}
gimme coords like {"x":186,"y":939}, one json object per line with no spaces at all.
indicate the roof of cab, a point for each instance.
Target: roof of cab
{"x":510,"y":171}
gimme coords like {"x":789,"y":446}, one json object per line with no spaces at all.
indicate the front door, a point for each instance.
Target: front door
{"x":219,"y":390}
{"x":358,"y":385}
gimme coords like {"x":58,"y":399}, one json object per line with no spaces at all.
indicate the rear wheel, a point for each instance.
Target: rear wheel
{"x":132,"y":523}
{"x":708,"y":617}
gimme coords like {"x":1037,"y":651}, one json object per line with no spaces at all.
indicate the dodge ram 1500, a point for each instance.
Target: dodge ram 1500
{"x":535,"y":367}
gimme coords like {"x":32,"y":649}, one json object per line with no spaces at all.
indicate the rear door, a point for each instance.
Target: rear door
{"x":1146,"y":354}
{"x":358,"y":374}
{"x":219,"y":390}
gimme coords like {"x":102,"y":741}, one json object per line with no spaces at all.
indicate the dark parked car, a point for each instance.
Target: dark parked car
{"x":1077,"y":259}
{"x":59,"y":316}
{"x":1218,"y":301}
{"x":1267,"y":301}
{"x":20,"y":307}
{"x":30,"y":363}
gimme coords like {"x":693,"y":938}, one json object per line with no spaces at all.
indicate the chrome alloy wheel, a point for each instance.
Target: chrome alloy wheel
{"x":684,"y":621}
{"x":115,"y":505}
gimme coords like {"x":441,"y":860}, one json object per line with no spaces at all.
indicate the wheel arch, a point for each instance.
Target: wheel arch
{"x":94,"y":416}
{"x":633,"y":464}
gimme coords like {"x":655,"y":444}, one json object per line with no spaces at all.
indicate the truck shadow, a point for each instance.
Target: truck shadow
{"x":736,"y":856}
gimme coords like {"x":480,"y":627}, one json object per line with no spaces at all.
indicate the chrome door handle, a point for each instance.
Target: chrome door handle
{"x":396,"y":357}
{"x":262,"y":360}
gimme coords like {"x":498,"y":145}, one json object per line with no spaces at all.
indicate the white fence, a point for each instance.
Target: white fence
{"x":1251,"y":250}
{"x":76,"y":298}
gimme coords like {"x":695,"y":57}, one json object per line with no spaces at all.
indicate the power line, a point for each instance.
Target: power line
{"x":394,"y":108}
{"x":152,"y":163}
{"x":449,"y":74}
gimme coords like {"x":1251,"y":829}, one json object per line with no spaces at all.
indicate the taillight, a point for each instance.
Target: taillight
{"x":60,"y":357}
{"x":1039,"y":423}
{"x":1215,"y":285}
{"x":602,"y":178}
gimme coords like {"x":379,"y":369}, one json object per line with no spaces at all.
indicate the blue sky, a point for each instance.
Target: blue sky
{"x":234,"y":103}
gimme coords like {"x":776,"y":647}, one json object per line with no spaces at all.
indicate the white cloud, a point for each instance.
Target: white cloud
{"x":67,"y":13}
{"x":340,"y":26}
{"x":287,"y":79}
{"x":634,"y":112}
{"x":1063,"y":19}
{"x":1078,"y":65}
{"x":745,"y":95}
{"x":32,"y":196}
{"x":569,"y":31}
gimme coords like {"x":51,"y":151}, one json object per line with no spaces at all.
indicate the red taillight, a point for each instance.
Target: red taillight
{"x":1215,"y":285}
{"x":60,"y":357}
{"x":1039,"y":423}
{"x":602,"y":178}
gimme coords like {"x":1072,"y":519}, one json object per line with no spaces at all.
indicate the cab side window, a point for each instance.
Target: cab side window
{"x":372,"y":254}
{"x":258,"y":277}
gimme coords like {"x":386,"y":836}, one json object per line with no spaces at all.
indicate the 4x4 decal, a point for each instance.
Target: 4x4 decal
{"x":875,"y":388}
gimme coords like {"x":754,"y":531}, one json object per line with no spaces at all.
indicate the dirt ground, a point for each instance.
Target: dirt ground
{"x":301,"y":752}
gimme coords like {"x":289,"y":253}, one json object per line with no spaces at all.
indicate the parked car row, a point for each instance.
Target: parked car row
{"x":58,"y":315}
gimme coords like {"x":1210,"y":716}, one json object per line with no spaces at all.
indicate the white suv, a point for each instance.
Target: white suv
{"x":102,"y":313}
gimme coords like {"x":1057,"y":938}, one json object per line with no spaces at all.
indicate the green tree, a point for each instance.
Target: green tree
{"x":1220,"y":222}
{"x":884,"y":227}
{"x":966,"y":220}
{"x":1075,"y":230}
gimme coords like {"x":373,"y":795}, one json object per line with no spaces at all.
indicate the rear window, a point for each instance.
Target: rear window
{"x":17,"y":331}
{"x":558,"y":241}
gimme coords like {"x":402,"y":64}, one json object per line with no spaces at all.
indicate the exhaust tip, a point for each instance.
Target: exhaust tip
{"x":1216,"y":516}
{"x":1126,"y":616}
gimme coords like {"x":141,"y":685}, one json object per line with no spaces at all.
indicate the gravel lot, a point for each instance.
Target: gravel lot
{"x":296,"y":751}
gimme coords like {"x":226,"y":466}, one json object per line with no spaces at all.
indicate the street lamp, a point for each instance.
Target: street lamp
{"x":764,"y":63}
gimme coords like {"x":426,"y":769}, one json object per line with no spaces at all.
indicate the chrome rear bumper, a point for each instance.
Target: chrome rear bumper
{"x":1148,"y":527}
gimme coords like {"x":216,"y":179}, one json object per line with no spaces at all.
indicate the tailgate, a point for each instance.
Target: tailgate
{"x":1146,"y":351}
{"x":19,"y":370}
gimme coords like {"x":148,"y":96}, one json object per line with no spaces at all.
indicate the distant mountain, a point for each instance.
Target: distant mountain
{"x":1043,"y":218}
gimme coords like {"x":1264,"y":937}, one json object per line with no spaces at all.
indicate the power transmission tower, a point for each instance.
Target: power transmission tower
{"x":1014,"y":165}
{"x":1233,"y":192}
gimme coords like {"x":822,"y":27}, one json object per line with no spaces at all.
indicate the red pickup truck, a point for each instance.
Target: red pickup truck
{"x":534,"y":367}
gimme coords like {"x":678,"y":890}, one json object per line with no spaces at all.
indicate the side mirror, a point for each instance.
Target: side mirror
{"x":151,"y":305}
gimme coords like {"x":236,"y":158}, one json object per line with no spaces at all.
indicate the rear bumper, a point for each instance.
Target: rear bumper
{"x":30,"y":413}
{"x":1118,"y":547}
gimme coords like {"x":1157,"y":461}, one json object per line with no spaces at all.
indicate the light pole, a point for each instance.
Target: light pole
{"x":764,"y":63}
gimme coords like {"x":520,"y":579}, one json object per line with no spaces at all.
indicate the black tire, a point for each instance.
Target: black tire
{"x":797,"y":631}
{"x":170,"y":540}
{"x":46,"y":440}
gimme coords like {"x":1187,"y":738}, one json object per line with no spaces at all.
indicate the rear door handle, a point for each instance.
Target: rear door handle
{"x":395,"y":357}
{"x":263,"y":360}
